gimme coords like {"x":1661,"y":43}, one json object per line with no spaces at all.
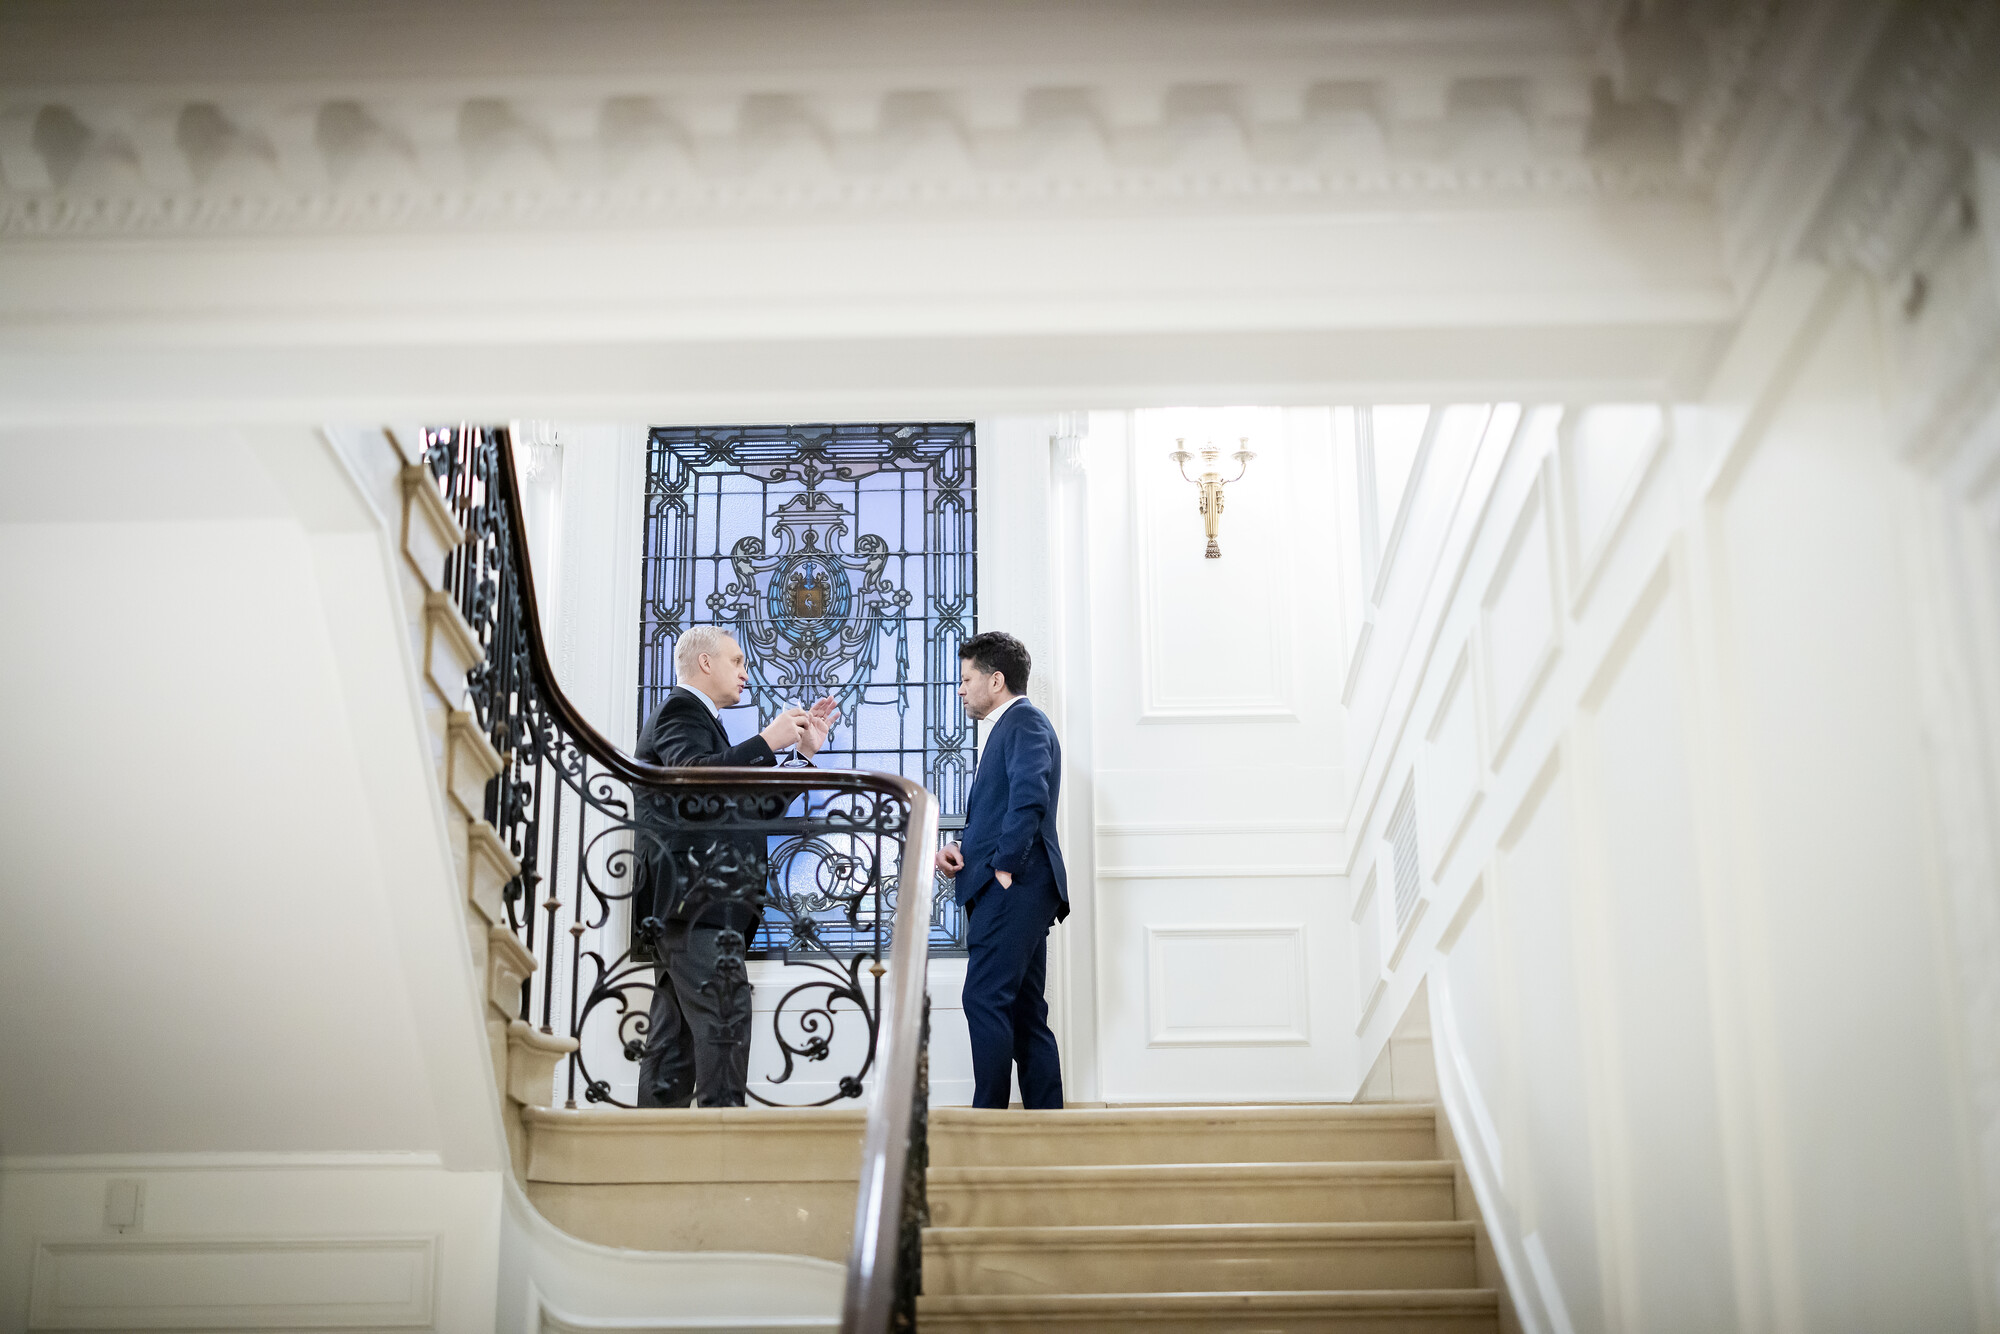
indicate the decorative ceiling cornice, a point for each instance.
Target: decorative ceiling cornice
{"x":693,"y":201}
{"x":1836,"y":132}
{"x":1174,"y":108}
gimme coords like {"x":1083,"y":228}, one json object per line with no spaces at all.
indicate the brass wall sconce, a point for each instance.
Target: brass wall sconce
{"x":1211,"y":482}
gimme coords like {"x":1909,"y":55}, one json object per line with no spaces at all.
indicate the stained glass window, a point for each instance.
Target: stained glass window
{"x":843,"y":559}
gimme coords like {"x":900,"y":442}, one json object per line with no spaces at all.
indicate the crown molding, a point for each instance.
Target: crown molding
{"x":601,"y":113}
{"x":83,"y":167}
{"x":1832,"y":133}
{"x":696,"y":201}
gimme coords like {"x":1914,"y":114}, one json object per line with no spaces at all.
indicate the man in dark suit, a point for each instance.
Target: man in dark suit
{"x":1010,"y":881}
{"x":698,"y":1031}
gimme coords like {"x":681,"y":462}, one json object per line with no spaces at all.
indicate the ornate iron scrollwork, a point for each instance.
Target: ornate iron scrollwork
{"x":814,"y":852}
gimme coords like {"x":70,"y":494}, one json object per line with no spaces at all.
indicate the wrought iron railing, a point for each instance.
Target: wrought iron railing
{"x":599,"y":835}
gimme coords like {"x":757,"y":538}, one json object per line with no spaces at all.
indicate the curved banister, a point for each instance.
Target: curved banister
{"x":605,"y":751}
{"x":882,"y":1275}
{"x":881,"y":1265}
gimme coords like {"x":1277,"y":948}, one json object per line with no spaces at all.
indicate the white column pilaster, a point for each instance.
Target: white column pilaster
{"x":1070,"y":616}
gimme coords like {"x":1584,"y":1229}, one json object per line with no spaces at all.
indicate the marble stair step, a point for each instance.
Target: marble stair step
{"x":1230,"y":1257}
{"x":1111,"y":1136}
{"x":1355,"y":1192}
{"x":1427,"y":1311}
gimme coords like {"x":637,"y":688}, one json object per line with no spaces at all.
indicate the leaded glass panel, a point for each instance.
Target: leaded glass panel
{"x":843,"y":559}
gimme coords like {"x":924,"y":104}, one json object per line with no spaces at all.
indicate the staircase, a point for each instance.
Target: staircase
{"x":1175,"y":1219}
{"x":1165,"y":1220}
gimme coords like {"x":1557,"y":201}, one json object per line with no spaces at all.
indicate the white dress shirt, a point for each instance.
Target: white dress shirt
{"x":993,"y":718}
{"x":714,"y":709}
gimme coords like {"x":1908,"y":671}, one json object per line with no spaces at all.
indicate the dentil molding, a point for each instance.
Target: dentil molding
{"x":115,"y":120}
{"x":78,"y":167}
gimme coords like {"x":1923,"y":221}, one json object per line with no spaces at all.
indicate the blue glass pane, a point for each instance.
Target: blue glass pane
{"x":843,"y":559}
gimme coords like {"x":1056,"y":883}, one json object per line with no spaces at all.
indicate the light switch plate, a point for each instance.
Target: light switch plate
{"x":121,"y":1204}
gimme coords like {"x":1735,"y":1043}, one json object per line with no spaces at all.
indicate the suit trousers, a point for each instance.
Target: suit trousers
{"x":698,"y":1030}
{"x":1007,"y":948}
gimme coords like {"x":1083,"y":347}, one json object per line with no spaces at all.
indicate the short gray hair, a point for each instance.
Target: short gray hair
{"x":695,"y":641}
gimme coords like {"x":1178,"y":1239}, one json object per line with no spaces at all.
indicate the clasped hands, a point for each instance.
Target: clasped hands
{"x":803,"y":730}
{"x":950,"y":860}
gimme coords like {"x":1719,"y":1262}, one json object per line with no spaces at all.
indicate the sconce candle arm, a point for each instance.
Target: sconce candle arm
{"x":1243,"y":455}
{"x":1211,"y":482}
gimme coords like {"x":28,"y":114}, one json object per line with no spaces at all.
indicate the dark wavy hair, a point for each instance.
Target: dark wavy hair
{"x":997,"y":651}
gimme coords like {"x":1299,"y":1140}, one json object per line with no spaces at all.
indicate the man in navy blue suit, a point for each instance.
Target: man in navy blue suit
{"x":1009,"y":874}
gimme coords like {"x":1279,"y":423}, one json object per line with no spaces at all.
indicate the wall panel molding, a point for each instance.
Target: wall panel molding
{"x":248,"y":1283}
{"x":1589,"y":538}
{"x":1449,"y":1045}
{"x":1276,"y":701}
{"x":336,"y":1161}
{"x":1520,"y":625}
{"x":1418,"y":911}
{"x":1229,"y":871}
{"x":1277,"y":977}
{"x":1528,"y":430}
{"x":1451,"y":770}
{"x":1391,"y":543}
{"x":1370,"y":976}
{"x":1151,"y":827}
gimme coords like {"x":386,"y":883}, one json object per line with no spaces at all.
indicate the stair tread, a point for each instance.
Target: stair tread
{"x":1107,"y":1136}
{"x":1102,"y":1234}
{"x":1478,"y":1300}
{"x":1080,"y":1173}
{"x":629,"y":1120}
{"x":946,"y":1118}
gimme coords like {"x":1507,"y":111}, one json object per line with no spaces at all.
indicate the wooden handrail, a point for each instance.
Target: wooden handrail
{"x":885,"y":1147}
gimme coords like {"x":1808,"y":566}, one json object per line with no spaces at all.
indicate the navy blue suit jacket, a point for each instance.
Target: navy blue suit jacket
{"x":1011,"y":810}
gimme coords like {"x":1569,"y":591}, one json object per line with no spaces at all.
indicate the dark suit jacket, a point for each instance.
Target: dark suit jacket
{"x":1010,"y":813}
{"x":683,"y":734}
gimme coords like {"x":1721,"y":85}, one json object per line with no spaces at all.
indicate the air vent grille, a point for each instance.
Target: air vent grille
{"x":1402,"y":834}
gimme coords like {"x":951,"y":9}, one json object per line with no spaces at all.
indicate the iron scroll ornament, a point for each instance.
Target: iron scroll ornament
{"x":577,"y":813}
{"x":845,"y":844}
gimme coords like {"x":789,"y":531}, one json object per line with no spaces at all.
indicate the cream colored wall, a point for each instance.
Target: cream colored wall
{"x":239,"y":975}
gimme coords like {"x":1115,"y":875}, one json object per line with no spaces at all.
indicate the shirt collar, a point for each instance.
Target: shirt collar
{"x":714,"y":709}
{"x":993,"y":718}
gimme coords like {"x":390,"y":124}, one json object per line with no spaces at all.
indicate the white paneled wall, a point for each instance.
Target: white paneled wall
{"x":1224,"y":960}
{"x":1651,"y":674}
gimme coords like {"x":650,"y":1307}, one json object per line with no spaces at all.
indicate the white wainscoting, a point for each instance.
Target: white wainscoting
{"x":1521,"y":625}
{"x":1606,"y":451}
{"x":102,"y":1283}
{"x":1217,"y":988}
{"x":1667,"y":1186}
{"x":1686,"y":957}
{"x":1370,"y":980}
{"x":1451,"y":770}
{"x":1224,"y":986}
{"x":1467,"y":1023}
{"x":264,"y":1241}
